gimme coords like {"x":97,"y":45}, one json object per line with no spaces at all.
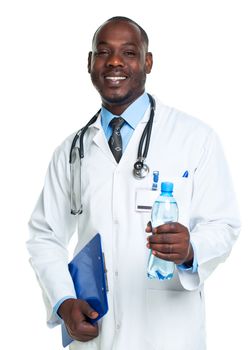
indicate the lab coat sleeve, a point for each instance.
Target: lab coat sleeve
{"x":214,"y":215}
{"x":51,"y":227}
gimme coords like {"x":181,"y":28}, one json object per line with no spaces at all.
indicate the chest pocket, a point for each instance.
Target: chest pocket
{"x":182,"y":192}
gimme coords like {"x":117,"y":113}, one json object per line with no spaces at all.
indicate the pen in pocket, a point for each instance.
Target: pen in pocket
{"x":155,"y":180}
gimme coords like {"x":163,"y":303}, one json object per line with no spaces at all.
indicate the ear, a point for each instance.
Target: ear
{"x":148,"y":62}
{"x":89,"y":61}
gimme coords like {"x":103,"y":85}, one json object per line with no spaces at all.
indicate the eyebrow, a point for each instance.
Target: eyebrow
{"x":124,"y":44}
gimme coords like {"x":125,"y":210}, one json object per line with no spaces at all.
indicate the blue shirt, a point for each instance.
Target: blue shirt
{"x":132,"y":116}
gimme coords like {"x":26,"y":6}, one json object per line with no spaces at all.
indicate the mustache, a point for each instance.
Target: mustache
{"x":116,"y":72}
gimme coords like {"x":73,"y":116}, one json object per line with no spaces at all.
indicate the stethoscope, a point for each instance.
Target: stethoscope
{"x":140,"y":169}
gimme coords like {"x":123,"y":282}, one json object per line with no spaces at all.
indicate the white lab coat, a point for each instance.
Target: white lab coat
{"x":143,"y":314}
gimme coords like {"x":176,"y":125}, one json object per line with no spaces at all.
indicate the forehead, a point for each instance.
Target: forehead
{"x":118,"y":32}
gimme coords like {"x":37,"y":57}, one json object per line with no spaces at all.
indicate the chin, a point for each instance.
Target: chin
{"x":117,"y":98}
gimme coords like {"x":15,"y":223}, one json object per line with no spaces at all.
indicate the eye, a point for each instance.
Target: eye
{"x":130,"y":53}
{"x":102,"y":52}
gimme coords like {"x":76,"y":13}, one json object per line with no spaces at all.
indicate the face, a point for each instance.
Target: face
{"x":118,"y":64}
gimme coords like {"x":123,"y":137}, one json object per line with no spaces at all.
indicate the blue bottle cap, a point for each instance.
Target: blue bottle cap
{"x":166,"y":187}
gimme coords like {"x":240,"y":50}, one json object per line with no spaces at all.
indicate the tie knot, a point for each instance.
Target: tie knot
{"x":116,"y":123}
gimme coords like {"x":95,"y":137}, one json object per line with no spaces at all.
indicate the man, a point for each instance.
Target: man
{"x":143,"y":314}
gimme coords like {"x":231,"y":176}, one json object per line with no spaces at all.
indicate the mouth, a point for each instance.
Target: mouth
{"x":115,"y":80}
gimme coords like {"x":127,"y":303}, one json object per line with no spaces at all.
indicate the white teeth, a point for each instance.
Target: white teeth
{"x":115,"y":78}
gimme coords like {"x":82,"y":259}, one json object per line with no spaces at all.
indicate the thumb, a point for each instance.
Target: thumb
{"x":89,"y":311}
{"x":148,"y":227}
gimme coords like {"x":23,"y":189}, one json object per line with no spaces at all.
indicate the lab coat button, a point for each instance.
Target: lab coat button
{"x":116,"y":273}
{"x":118,"y":326}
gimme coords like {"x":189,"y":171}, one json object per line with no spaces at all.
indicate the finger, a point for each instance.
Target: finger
{"x":81,"y":327}
{"x":165,"y":248}
{"x":173,"y":227}
{"x":87,"y":328}
{"x":83,"y":331}
{"x":163,"y":238}
{"x":88,"y":311}
{"x":169,"y":257}
{"x":148,"y":227}
{"x":78,"y":321}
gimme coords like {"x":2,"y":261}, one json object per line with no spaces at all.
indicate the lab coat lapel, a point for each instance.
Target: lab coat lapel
{"x":98,"y":137}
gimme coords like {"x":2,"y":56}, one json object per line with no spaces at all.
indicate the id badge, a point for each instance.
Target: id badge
{"x":145,"y":199}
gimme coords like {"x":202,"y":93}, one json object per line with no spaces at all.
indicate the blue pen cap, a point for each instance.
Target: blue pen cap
{"x":155,"y":176}
{"x":166,"y":187}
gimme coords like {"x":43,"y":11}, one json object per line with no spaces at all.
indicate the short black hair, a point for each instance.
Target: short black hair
{"x":126,"y":19}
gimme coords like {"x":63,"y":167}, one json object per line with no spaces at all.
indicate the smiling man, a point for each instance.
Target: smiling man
{"x":143,"y":314}
{"x":119,"y":63}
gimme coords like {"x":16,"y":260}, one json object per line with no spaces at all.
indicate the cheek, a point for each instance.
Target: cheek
{"x":95,"y":67}
{"x":94,"y":72}
{"x":139,"y":77}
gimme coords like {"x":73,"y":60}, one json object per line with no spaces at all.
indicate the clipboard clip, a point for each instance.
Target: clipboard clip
{"x":105,"y":272}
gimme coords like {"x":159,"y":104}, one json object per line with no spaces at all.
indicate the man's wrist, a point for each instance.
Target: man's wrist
{"x":190,"y":256}
{"x":190,"y":263}
{"x":65,"y":306}
{"x":59,"y":303}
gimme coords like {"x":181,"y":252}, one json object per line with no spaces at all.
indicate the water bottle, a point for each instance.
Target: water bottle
{"x":164,"y":210}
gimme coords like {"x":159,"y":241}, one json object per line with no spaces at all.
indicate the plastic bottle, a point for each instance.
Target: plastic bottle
{"x":164,"y":210}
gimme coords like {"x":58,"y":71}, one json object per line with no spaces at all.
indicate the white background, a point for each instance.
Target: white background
{"x":202,"y":65}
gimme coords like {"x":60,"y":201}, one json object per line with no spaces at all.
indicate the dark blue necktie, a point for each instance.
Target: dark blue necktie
{"x":115,"y":141}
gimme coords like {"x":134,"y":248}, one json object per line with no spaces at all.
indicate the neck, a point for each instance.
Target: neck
{"x":118,"y":108}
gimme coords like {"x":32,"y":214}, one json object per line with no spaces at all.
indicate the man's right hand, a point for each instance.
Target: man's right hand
{"x":75,"y":312}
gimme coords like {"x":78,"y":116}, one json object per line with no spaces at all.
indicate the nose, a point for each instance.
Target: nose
{"x":115,"y":60}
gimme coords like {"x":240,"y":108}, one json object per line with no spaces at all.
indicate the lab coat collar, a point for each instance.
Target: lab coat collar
{"x":132,"y":115}
{"x":99,"y":138}
{"x":145,"y":118}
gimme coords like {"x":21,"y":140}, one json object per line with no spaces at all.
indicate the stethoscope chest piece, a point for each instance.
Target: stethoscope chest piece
{"x":140,"y":170}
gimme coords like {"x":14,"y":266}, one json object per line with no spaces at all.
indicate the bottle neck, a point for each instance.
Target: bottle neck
{"x":166,"y":194}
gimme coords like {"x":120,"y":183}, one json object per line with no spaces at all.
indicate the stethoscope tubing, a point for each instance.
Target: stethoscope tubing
{"x":147,"y":132}
{"x":140,"y":169}
{"x":146,"y":135}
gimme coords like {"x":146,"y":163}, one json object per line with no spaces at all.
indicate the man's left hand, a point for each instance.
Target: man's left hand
{"x":171,"y":242}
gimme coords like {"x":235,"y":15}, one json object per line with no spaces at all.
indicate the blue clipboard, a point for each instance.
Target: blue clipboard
{"x":89,"y":277}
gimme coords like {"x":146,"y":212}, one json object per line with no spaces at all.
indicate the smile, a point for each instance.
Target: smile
{"x":115,"y":78}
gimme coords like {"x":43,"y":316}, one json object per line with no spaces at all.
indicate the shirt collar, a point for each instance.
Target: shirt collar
{"x":132,"y":115}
